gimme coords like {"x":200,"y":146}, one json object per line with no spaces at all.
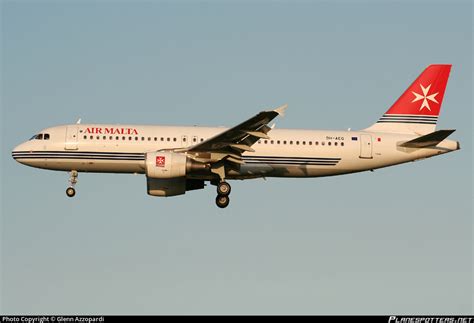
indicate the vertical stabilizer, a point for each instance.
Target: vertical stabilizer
{"x":418,"y":108}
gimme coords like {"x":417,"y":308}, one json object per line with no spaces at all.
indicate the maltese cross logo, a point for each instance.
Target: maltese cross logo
{"x":425,"y":97}
{"x":160,"y":161}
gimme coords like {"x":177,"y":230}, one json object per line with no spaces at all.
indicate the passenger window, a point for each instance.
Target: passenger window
{"x":184,"y":139}
{"x":342,"y":144}
{"x":291,"y":142}
{"x":174,"y":139}
{"x":284,"y":142}
{"x":117,"y":138}
{"x":136,"y":138}
{"x":329,"y":143}
{"x":322,"y":143}
{"x":143,"y":138}
{"x":98,"y":137}
{"x":85,"y":137}
{"x":91,"y":137}
{"x":278,"y":142}
{"x":156,"y":139}
{"x":168,"y":139}
{"x":335,"y":144}
{"x":304,"y":142}
{"x":265,"y":142}
{"x":297,"y":142}
{"x":202,"y":139}
{"x":310,"y":143}
{"x":149,"y":138}
{"x":129,"y":138}
{"x":111,"y":137}
{"x":46,"y":136}
{"x":316,"y":143}
{"x":104,"y":137}
{"x":271,"y":142}
{"x":123,"y":138}
{"x":162,"y":139}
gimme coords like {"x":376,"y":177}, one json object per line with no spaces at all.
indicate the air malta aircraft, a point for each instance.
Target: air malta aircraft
{"x":180,"y":159}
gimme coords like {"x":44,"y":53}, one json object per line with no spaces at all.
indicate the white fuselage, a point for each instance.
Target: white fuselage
{"x":288,"y":153}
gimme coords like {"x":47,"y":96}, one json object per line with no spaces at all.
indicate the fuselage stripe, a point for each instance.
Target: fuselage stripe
{"x":289,"y":157}
{"x":399,"y":121}
{"x":65,"y":152}
{"x":292,"y":163}
{"x":78,"y":157}
{"x":277,"y":160}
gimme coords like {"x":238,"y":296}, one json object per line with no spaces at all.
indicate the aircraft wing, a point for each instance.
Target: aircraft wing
{"x":231,"y":143}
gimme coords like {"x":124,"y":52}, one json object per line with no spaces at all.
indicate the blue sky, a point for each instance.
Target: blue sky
{"x":398,"y":240}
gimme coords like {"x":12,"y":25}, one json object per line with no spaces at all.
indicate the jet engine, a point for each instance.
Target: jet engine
{"x":166,"y":173}
{"x":171,"y":165}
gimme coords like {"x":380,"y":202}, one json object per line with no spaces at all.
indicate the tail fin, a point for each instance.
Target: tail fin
{"x":417,"y":110}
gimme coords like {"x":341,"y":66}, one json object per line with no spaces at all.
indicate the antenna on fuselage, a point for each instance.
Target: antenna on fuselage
{"x":78,"y":121}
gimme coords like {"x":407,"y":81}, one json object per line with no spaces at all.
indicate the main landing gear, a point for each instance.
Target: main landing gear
{"x":223,"y":191}
{"x":70,"y":191}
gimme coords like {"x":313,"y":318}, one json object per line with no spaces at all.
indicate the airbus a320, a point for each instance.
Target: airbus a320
{"x":180,"y":159}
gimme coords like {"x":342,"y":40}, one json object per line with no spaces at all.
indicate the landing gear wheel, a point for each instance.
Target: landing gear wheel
{"x":70,"y":191}
{"x":223,"y":188}
{"x":222,"y":201}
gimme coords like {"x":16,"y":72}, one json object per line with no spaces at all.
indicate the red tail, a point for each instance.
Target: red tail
{"x":417,"y":110}
{"x":425,"y":95}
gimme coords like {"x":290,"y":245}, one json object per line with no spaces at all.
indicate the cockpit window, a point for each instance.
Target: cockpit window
{"x":41,"y":136}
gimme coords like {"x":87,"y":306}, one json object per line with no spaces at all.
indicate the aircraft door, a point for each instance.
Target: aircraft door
{"x":365,"y":146}
{"x":71,"y":137}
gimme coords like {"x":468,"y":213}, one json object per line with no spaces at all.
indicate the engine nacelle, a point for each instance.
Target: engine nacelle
{"x":172,"y":186}
{"x":171,"y":165}
{"x":165,"y":165}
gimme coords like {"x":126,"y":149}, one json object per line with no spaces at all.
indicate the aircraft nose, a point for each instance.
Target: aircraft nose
{"x":18,"y":151}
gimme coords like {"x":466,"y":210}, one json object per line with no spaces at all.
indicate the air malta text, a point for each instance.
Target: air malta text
{"x":112,"y":131}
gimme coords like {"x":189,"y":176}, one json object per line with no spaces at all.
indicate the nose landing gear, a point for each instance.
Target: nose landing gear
{"x":70,"y":191}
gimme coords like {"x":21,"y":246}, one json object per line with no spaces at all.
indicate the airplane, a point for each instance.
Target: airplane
{"x":180,"y":159}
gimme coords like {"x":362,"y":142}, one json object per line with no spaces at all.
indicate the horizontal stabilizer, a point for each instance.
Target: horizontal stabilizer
{"x":429,"y":140}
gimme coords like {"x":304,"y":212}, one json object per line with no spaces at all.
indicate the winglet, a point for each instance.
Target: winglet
{"x":281,"y":110}
{"x":78,"y":121}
